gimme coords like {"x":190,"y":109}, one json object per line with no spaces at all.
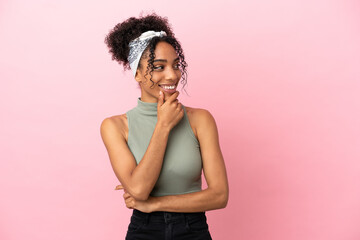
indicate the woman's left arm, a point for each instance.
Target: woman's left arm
{"x":215,"y":196}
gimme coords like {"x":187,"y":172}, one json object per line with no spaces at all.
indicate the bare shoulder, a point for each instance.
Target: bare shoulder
{"x":199,"y":115}
{"x":116,"y":124}
{"x":200,"y":119}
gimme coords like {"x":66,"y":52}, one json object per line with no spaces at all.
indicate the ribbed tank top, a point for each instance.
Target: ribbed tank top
{"x":182,"y":165}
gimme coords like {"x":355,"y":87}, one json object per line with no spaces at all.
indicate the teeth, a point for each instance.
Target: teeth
{"x":168,"y":87}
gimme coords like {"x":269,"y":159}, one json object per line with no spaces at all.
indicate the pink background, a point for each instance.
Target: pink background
{"x":282,"y":79}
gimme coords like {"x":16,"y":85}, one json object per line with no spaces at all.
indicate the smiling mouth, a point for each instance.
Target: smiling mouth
{"x":167,"y":87}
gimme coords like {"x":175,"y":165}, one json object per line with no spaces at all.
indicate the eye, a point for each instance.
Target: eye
{"x":177,"y":66}
{"x":158,"y":67}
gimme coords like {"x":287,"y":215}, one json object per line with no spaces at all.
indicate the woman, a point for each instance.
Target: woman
{"x":159,"y":148}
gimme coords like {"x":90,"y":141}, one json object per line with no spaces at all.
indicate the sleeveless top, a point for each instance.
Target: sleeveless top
{"x":182,"y":164}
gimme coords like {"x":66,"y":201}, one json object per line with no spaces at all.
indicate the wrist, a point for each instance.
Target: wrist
{"x":162,"y":127}
{"x":154,"y":204}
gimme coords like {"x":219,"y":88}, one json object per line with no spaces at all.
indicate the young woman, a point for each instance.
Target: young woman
{"x":159,"y":148}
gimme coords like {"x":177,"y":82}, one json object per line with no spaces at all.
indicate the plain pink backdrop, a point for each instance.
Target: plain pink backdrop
{"x":281,"y":78}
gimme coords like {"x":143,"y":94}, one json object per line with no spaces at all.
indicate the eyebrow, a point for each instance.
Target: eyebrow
{"x":164,"y":60}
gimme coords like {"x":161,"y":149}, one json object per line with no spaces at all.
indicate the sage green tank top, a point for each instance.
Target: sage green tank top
{"x":182,"y":165}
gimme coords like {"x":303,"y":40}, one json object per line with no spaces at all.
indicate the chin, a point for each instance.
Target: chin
{"x":166,"y":96}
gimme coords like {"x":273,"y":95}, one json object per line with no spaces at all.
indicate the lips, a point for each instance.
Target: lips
{"x":170,"y":88}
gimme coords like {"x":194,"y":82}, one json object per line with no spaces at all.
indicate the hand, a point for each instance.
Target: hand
{"x":146,"y":206}
{"x":170,"y":112}
{"x":143,"y":206}
{"x":119,"y":187}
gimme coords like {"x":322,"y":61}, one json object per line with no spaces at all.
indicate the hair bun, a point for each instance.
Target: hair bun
{"x":120,"y":36}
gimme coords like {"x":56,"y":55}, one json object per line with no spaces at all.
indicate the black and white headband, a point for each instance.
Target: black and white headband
{"x":137,"y":47}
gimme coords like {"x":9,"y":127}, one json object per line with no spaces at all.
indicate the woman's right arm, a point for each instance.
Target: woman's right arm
{"x":139,"y":180}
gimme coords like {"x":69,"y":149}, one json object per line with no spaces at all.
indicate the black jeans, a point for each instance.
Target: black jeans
{"x":168,"y":226}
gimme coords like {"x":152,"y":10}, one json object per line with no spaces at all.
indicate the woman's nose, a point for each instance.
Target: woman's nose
{"x":170,"y":74}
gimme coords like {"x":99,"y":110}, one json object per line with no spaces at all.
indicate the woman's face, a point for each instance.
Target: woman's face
{"x":166,"y":74}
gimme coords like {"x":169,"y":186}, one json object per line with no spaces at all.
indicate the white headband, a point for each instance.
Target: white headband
{"x":137,"y":47}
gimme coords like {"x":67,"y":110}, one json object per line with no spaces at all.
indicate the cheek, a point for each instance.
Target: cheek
{"x":147,"y":81}
{"x":153,"y":83}
{"x":156,"y":77}
{"x":179,"y":74}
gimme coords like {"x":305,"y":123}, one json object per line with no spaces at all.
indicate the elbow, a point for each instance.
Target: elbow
{"x":223,"y":198}
{"x":139,"y":194}
{"x":141,"y":197}
{"x":220,"y":198}
{"x":138,"y":191}
{"x":225,"y":202}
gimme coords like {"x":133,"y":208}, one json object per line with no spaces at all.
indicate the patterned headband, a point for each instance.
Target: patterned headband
{"x":138,"y":45}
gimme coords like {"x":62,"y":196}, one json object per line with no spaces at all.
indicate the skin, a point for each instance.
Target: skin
{"x":137,"y":181}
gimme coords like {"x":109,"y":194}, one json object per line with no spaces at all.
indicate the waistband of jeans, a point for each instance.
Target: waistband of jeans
{"x":161,"y":214}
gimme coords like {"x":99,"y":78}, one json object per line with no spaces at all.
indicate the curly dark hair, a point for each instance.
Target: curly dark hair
{"x":120,"y":36}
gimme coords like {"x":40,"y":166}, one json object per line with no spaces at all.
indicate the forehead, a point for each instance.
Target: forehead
{"x":164,"y":50}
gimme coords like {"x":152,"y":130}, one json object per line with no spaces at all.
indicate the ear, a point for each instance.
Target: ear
{"x":137,"y":76}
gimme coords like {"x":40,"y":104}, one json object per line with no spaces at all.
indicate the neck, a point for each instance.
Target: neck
{"x":151,"y":99}
{"x":147,"y":108}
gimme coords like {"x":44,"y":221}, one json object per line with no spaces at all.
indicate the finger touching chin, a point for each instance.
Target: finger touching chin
{"x":167,"y":95}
